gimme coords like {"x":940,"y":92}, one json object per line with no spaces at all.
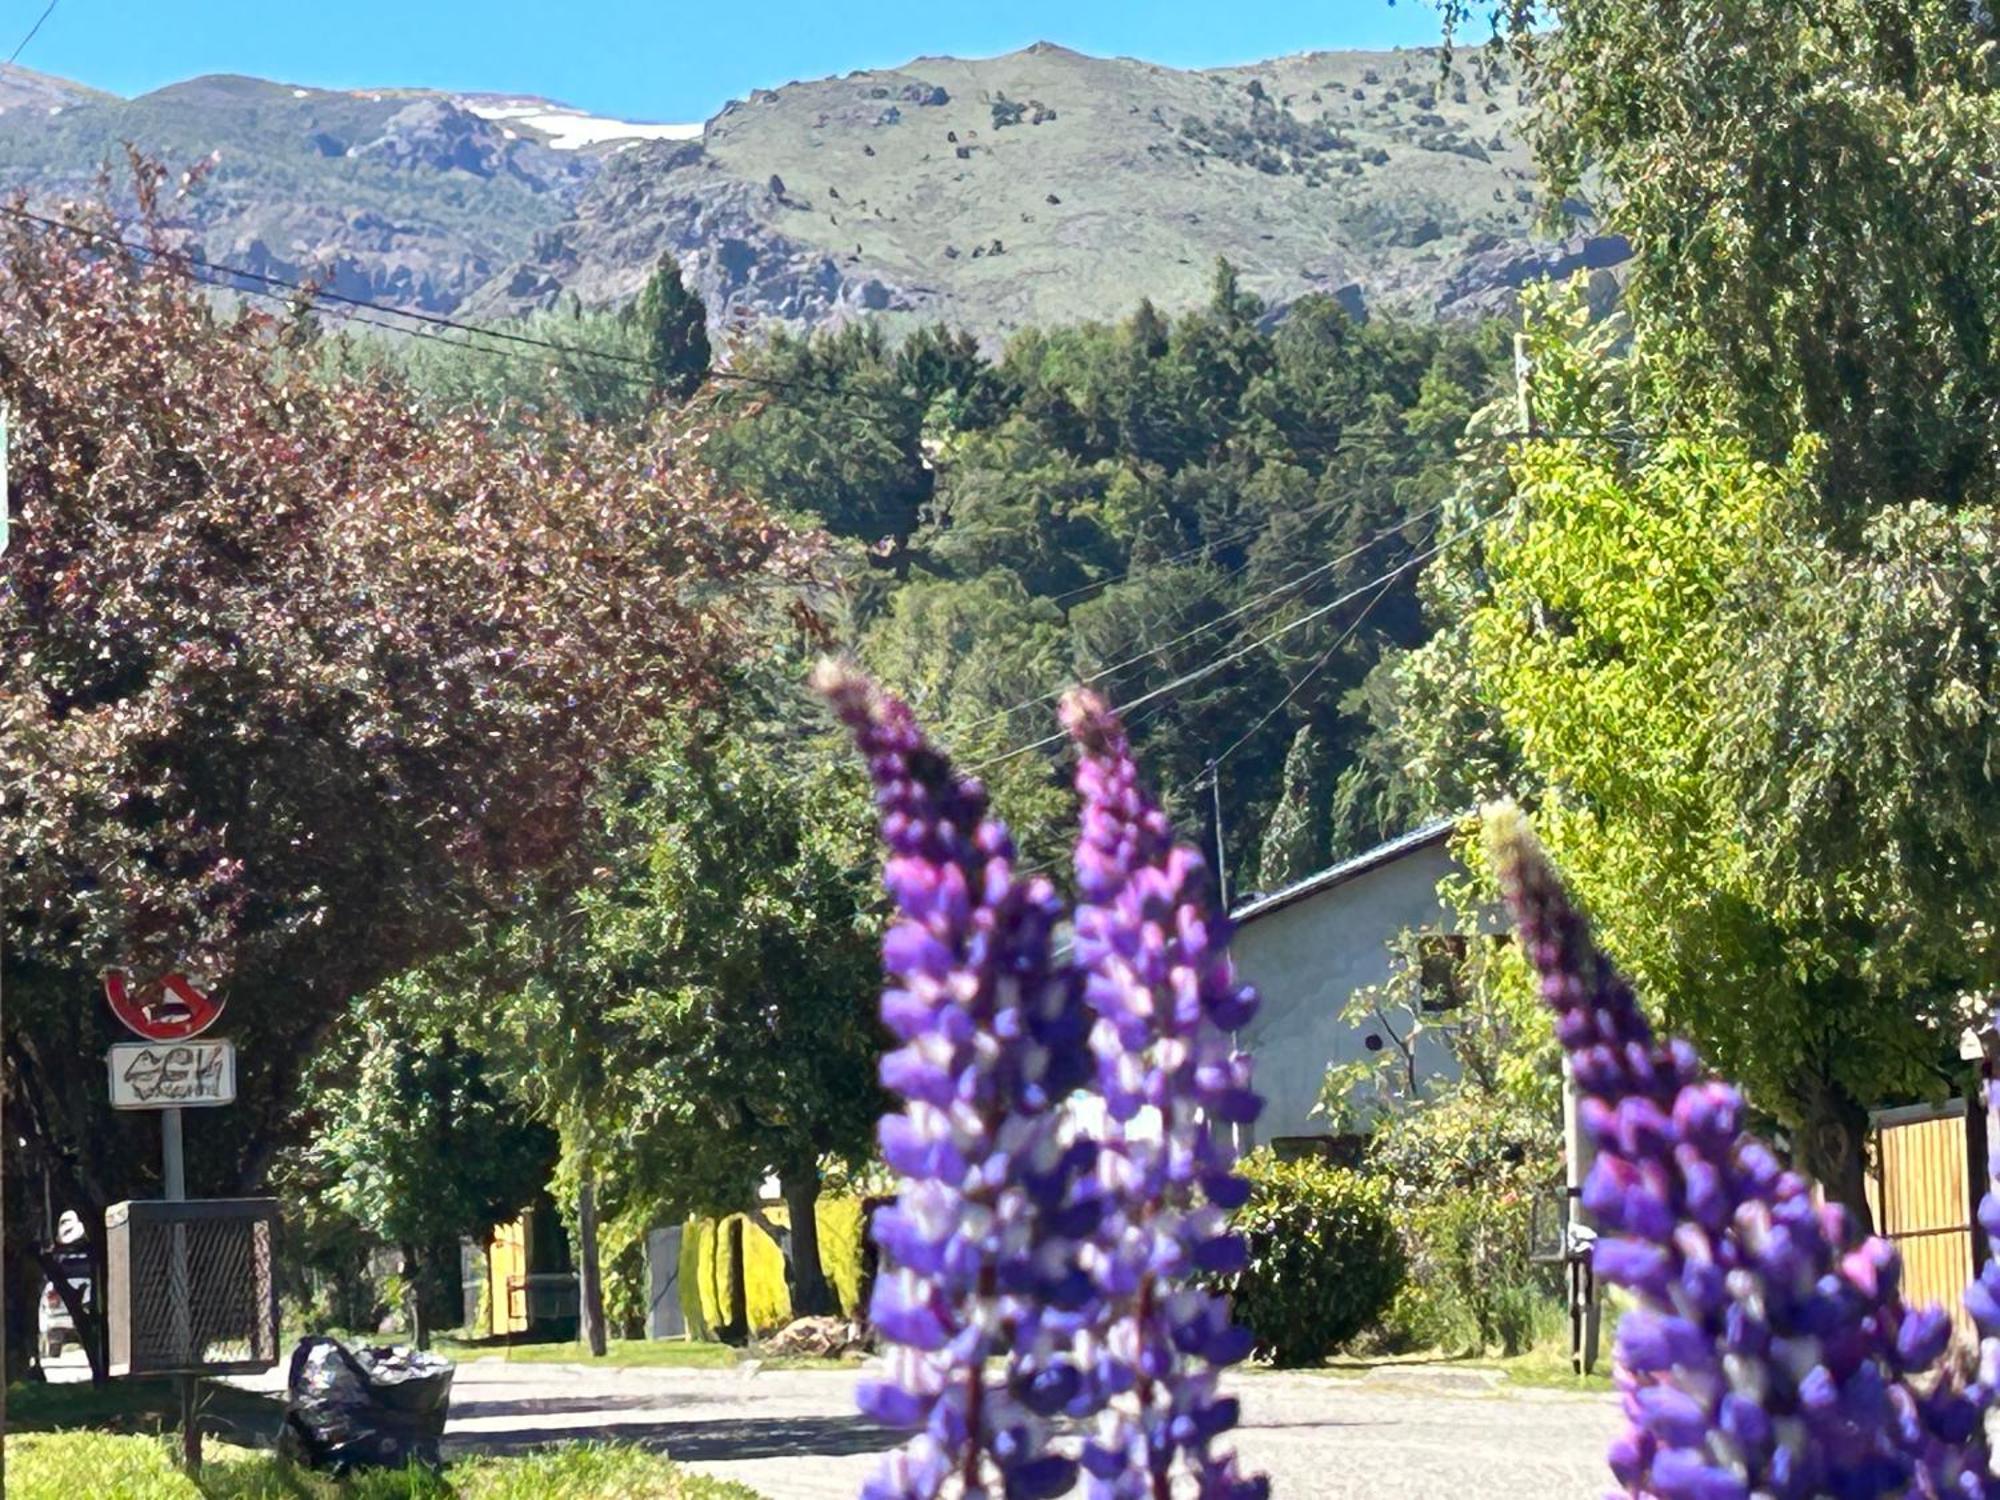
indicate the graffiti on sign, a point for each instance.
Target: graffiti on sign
{"x":172,"y":1075}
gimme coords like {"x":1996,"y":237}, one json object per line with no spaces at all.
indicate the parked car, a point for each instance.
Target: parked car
{"x":58,"y":1328}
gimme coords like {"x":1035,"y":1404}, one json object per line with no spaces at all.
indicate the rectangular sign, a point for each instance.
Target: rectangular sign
{"x":172,"y":1075}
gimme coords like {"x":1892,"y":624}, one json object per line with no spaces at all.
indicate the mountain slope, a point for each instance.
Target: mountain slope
{"x":1040,"y":186}
{"x":402,"y":196}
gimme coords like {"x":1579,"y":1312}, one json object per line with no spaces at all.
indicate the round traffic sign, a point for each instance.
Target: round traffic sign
{"x":171,"y":1010}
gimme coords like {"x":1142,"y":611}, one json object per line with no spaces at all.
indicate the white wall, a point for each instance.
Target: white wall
{"x":1308,"y":957}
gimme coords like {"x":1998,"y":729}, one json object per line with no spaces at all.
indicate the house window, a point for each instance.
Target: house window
{"x":1441,"y":986}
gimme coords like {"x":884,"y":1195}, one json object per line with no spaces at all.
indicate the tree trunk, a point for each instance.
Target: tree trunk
{"x":1832,"y":1146}
{"x":589,"y":1272}
{"x":413,"y":1297}
{"x":441,"y":1289}
{"x":811,"y":1296}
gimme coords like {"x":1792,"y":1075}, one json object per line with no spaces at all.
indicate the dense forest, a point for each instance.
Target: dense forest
{"x":1218,"y":517}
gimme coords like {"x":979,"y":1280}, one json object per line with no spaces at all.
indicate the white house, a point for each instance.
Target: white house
{"x":1309,"y":947}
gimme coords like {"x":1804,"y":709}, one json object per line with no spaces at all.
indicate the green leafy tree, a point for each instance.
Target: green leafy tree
{"x":702,"y":1017}
{"x":674,"y":323}
{"x":749,"y":946}
{"x":1689,"y":669}
{"x":417,"y":1142}
{"x":1807,"y":186}
{"x":589,"y":366}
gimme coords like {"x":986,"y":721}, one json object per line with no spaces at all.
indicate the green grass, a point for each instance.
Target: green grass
{"x":135,"y":1406}
{"x":1549,"y":1369}
{"x":669,"y":1354}
{"x":107,"y":1466}
{"x":1545,"y":1367}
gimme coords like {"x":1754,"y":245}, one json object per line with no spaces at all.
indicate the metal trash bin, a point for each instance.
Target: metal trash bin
{"x":349,"y":1409}
{"x":191,"y":1286}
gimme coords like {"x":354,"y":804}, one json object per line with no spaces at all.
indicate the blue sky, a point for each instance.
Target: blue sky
{"x":644,"y":59}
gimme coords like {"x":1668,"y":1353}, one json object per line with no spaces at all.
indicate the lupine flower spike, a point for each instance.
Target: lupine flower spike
{"x":1159,"y":981}
{"x":981,"y":1291}
{"x":1770,"y":1354}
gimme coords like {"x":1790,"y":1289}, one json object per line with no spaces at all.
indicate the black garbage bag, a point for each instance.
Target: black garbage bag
{"x":373,"y":1408}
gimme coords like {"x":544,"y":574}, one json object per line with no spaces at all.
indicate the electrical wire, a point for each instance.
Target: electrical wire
{"x":1222,"y":619}
{"x":1464,"y":447}
{"x":1311,"y":672}
{"x":1209,"y":668}
{"x":21,"y":45}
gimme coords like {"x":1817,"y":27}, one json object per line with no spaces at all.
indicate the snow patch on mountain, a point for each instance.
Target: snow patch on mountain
{"x":568,"y":129}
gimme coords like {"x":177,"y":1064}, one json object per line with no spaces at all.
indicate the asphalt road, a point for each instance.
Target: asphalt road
{"x":793,"y":1435}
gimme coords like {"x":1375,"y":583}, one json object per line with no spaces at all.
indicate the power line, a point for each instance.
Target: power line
{"x":22,"y":44}
{"x":1222,"y":619}
{"x":351,"y":309}
{"x":1210,"y":668}
{"x":1307,"y":676}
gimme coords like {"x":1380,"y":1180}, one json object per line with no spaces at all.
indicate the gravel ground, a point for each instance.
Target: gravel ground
{"x":792,"y":1434}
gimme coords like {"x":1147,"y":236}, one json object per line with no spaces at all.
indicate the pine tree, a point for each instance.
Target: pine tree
{"x":1294,"y":839}
{"x":676,"y":323}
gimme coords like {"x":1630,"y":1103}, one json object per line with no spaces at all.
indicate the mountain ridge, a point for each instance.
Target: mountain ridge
{"x":1041,"y":185}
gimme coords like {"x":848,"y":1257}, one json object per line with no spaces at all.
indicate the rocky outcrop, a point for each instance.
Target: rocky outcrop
{"x":441,"y":136}
{"x":1489,"y":276}
{"x":671,"y":197}
{"x":437,"y":134}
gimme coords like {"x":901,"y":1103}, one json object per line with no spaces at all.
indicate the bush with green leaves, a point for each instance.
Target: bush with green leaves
{"x":1461,"y":1175}
{"x":1325,"y":1259}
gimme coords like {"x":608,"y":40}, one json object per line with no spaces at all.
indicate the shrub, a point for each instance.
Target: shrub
{"x":766,"y":1299}
{"x":1324,"y":1257}
{"x":715,"y":1279}
{"x":689,"y":1281}
{"x":710,"y":1291}
{"x":1461,"y":1174}
{"x":842,"y":1234}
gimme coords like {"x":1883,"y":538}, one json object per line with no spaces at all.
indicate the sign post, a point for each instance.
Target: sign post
{"x":172,"y":1072}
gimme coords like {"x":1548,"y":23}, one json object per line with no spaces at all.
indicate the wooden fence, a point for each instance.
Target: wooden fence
{"x":1922,"y":1195}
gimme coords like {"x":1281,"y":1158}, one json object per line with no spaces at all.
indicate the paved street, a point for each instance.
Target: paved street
{"x":792,"y":1435}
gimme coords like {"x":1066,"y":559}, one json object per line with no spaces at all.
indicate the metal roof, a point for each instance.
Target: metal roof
{"x":1348,"y":869}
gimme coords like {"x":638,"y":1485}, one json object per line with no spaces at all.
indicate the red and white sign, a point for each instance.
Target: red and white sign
{"x":171,"y":1010}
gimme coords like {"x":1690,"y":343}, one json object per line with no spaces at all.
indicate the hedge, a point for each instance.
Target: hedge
{"x":688,"y":1279}
{"x":1324,"y":1257}
{"x":843,"y":1235}
{"x":707,"y":1296}
{"x":767,"y":1301}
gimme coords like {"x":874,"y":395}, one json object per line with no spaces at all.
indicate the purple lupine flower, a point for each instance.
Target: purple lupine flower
{"x":1159,"y":980}
{"x":1770,"y":1353}
{"x":981,"y":1248}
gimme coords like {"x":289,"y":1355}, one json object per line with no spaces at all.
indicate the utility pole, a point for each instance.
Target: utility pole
{"x":1221,"y":859}
{"x":1524,"y":401}
{"x":1236,"y":1130}
{"x":1578,"y":1235}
